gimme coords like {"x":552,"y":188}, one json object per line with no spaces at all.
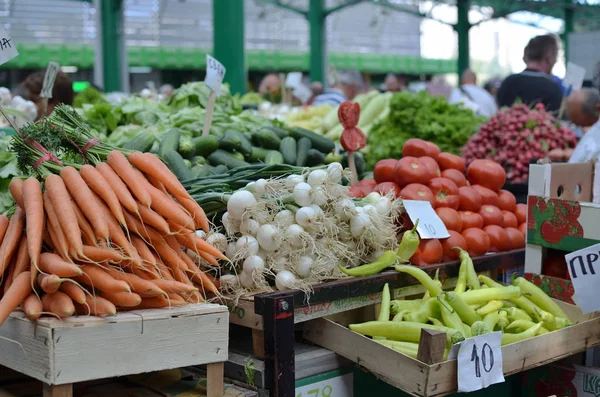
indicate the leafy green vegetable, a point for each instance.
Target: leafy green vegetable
{"x":8,"y":170}
{"x":89,"y":96}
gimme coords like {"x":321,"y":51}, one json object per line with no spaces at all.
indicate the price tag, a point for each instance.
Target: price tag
{"x":215,"y":72}
{"x":480,"y":362}
{"x":49,"y":79}
{"x":584,"y":269}
{"x":340,"y":386}
{"x":574,"y":77}
{"x":303,"y":93}
{"x":293,"y":79}
{"x":332,"y":76}
{"x":430,"y":224}
{"x":8,"y":50}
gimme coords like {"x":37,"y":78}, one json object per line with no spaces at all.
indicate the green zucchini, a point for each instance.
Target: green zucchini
{"x":288,"y":149}
{"x":235,"y":140}
{"x":281,"y":133}
{"x":314,"y":157}
{"x":322,"y":144}
{"x":169,"y":142}
{"x":258,"y":154}
{"x":274,"y":157}
{"x":177,"y":165}
{"x":142,"y":142}
{"x":266,"y":139}
{"x":205,"y":145}
{"x":221,"y":157}
{"x":304,"y":145}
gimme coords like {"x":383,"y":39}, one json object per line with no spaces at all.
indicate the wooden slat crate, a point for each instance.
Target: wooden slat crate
{"x":60,"y":353}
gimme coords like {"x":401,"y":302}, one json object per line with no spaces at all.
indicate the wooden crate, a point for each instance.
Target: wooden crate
{"x":440,"y":379}
{"x":60,"y":353}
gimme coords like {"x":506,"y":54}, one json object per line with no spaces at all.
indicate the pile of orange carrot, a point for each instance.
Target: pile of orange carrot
{"x":120,"y":235}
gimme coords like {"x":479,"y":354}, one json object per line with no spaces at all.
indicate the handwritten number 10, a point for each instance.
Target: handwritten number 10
{"x":429,"y":228}
{"x":487,"y":359}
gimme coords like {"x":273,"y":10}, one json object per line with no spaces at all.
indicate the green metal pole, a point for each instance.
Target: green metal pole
{"x":316,"y":22}
{"x":111,"y":44}
{"x":228,"y":42}
{"x":462,"y":28}
{"x":569,"y":17}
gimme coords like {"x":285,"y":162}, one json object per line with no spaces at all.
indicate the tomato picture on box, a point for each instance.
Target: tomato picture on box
{"x":555,"y":287}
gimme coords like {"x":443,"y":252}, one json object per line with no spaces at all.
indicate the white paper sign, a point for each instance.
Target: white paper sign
{"x":480,"y":362}
{"x":574,"y":77}
{"x":340,"y":386}
{"x":215,"y":72}
{"x":8,"y":49}
{"x":293,"y":80}
{"x":49,"y":79}
{"x":430,"y":224}
{"x":584,"y":269}
{"x":303,"y":93}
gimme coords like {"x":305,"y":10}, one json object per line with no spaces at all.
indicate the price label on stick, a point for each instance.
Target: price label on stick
{"x":49,"y":79}
{"x":479,"y":362}
{"x":584,"y":269}
{"x":574,"y":77}
{"x":293,"y":79}
{"x":430,"y":224}
{"x":215,"y":72}
{"x":303,"y":93}
{"x":8,"y":50}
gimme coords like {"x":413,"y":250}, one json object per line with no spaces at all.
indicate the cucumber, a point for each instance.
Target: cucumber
{"x":274,"y":157}
{"x":186,"y":147}
{"x":237,"y":155}
{"x":169,"y":142}
{"x":199,"y":160}
{"x":281,"y":133}
{"x":235,"y":140}
{"x":322,"y":144}
{"x":142,"y":142}
{"x":201,"y":170}
{"x":304,"y":145}
{"x":288,"y":149}
{"x":258,"y":154}
{"x":177,"y":165}
{"x":314,"y":157}
{"x":205,"y":145}
{"x":221,"y":157}
{"x":267,"y":139}
{"x":219,"y":169}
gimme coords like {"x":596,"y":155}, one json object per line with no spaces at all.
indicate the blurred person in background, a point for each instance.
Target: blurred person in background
{"x":439,"y":87}
{"x":492,"y":86}
{"x":317,"y":89}
{"x":62,"y":92}
{"x":166,"y":90}
{"x":350,"y":83}
{"x":394,"y":83}
{"x":269,"y":84}
{"x":472,"y":96}
{"x":535,"y":84}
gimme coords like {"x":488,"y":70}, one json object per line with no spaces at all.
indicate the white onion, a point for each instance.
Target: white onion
{"x":200,"y":233}
{"x":383,"y":206}
{"x":285,"y":280}
{"x":248,"y":245}
{"x":344,"y":209}
{"x":302,"y":194}
{"x":254,"y":263}
{"x":372,"y":198}
{"x":284,"y":218}
{"x":305,"y":217}
{"x":292,"y":180}
{"x":259,"y":186}
{"x":250,"y":186}
{"x":218,"y":240}
{"x":239,"y":202}
{"x":231,"y":250}
{"x":304,"y":265}
{"x":249,"y":226}
{"x":226,"y":222}
{"x":319,"y":196}
{"x":229,"y":281}
{"x":370,"y":210}
{"x":294,"y":233}
{"x":267,"y":237}
{"x":359,"y":210}
{"x":318,"y":210}
{"x":358,"y":224}
{"x":334,"y":172}
{"x":317,"y":177}
{"x":246,"y":280}
{"x":280,"y":262}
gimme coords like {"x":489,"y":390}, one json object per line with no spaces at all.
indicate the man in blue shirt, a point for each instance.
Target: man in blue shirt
{"x":349,"y":84}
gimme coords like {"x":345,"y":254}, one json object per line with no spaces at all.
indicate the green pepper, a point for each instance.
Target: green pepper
{"x":503,"y":320}
{"x":490,"y":307}
{"x":539,"y":297}
{"x":461,"y":283}
{"x":488,"y":294}
{"x":480,"y":328}
{"x":436,"y":281}
{"x":384,"y":311}
{"x":520,"y":324}
{"x":397,"y":306}
{"x":400,"y":315}
{"x":429,"y":308}
{"x":529,"y":333}
{"x":435,"y":322}
{"x":467,"y":330}
{"x":409,"y":349}
{"x":491,"y":319}
{"x":465,"y":312}
{"x":522,"y":302}
{"x":450,"y":318}
{"x":409,"y":244}
{"x":387,"y":259}
{"x":514,"y":313}
{"x":401,"y":330}
{"x":430,"y":285}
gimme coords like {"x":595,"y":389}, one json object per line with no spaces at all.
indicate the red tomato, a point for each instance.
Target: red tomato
{"x":516,"y":238}
{"x":450,"y":218}
{"x":487,"y":196}
{"x":428,"y":253}
{"x":523,"y":229}
{"x":510,"y":220}
{"x":470,"y":219}
{"x":478,"y":242}
{"x":449,"y":161}
{"x":411,"y":170}
{"x":521,"y":213}
{"x":455,"y":176}
{"x":384,"y":187}
{"x":499,"y":241}
{"x":384,"y":170}
{"x":445,"y":192}
{"x":470,"y":199}
{"x":486,"y":173}
{"x":506,"y":200}
{"x":432,"y":165}
{"x":418,"y":148}
{"x":356,"y":192}
{"x":555,"y":266}
{"x":491,"y":215}
{"x":416,"y":191}
{"x":455,"y":240}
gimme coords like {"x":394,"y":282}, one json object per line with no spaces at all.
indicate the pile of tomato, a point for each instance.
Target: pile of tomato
{"x":479,"y":215}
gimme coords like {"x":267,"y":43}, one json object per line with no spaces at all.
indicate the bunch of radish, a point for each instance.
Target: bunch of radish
{"x":517,"y":135}
{"x":298,"y":229}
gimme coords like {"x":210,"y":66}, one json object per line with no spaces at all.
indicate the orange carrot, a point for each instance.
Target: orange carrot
{"x":9,"y":275}
{"x":163,"y":270}
{"x":199,"y":277}
{"x":137,"y":227}
{"x":54,"y":264}
{"x":101,"y":254}
{"x":168,"y":254}
{"x":168,"y":208}
{"x":32,"y":307}
{"x":181,"y":277}
{"x":3,"y":226}
{"x":154,"y":167}
{"x":87,"y":232}
{"x":143,"y":250}
{"x":54,"y":229}
{"x":58,"y":303}
{"x":63,"y":208}
{"x":153,"y":219}
{"x":99,"y":306}
{"x":22,"y":262}
{"x":176,"y":298}
{"x":34,"y":216}
{"x":174,"y":286}
{"x":138,"y":285}
{"x":158,"y":302}
{"x":11,"y":239}
{"x":196,"y":212}
{"x":118,"y":162}
{"x":102,"y":188}
{"x":145,"y":273}
{"x":123,"y":299}
{"x":16,"y":190}
{"x":157,"y":184}
{"x":195,"y":243}
{"x":75,"y":292}
{"x":98,"y":278}
{"x":18,"y":291}
{"x":49,"y":283}
{"x":121,"y":190}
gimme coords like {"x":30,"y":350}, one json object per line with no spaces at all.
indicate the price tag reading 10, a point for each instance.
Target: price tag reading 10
{"x":480,"y":362}
{"x":430,"y":224}
{"x":215,"y":72}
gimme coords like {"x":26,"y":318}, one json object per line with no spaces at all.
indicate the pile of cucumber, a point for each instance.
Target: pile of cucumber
{"x":211,"y":155}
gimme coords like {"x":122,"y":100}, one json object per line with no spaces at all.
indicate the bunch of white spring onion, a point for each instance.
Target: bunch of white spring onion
{"x":299,"y":228}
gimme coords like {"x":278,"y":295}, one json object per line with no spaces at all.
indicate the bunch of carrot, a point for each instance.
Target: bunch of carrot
{"x":120,"y":235}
